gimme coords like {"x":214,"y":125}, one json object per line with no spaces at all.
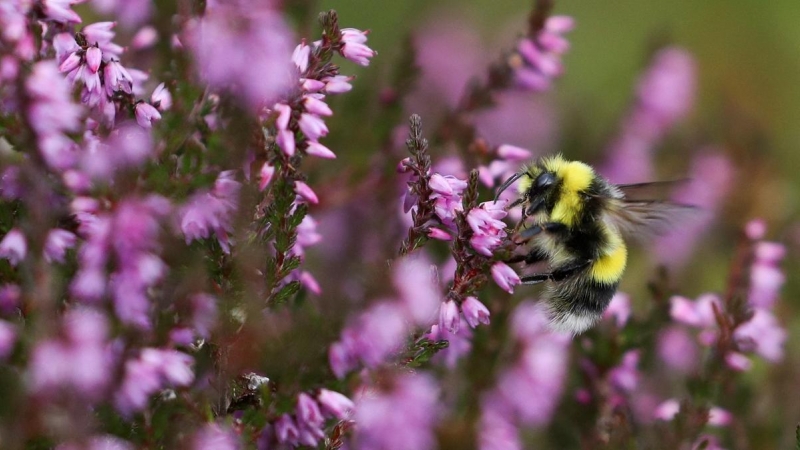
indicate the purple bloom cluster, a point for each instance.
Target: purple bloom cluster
{"x":528,"y":391}
{"x":210,"y":213}
{"x":306,"y":425}
{"x":408,"y":403}
{"x":540,"y":55}
{"x":380,"y":331}
{"x":664,"y":95}
{"x":761,"y":334}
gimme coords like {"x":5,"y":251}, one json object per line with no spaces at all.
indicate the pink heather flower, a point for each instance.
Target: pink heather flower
{"x":449,"y":317}
{"x":81,"y":361}
{"x":71,"y":63}
{"x":305,"y":192}
{"x":59,"y":10}
{"x":699,"y":313}
{"x":763,"y":335}
{"x":8,"y":338}
{"x":718,"y":417}
{"x":52,"y":110}
{"x":214,"y":436}
{"x":413,"y":279}
{"x":145,"y":38}
{"x":146,"y":114}
{"x":438,"y":233}
{"x":664,"y":95}
{"x":677,"y":349}
{"x":496,"y":429}
{"x":474,"y":312}
{"x":13,"y":247}
{"x":211,"y":212}
{"x":354,"y":35}
{"x":57,"y":243}
{"x":412,"y":405}
{"x":309,"y":85}
{"x":447,"y":192}
{"x":204,"y":314}
{"x":245,"y":49}
{"x":531,"y":388}
{"x":307,"y":235}
{"x":10,"y":295}
{"x":313,"y":104}
{"x":766,"y":277}
{"x":308,"y":412}
{"x":459,"y":344}
{"x":153,"y":370}
{"x":513,"y":153}
{"x":375,"y":335}
{"x":317,"y":149}
{"x":338,"y":84}
{"x":265,"y":176}
{"x":335,"y":404}
{"x":738,"y":361}
{"x":667,"y":410}
{"x":353,"y":47}
{"x":312,"y":126}
{"x":505,"y":277}
{"x":619,"y":309}
{"x":99,"y":32}
{"x":130,"y":13}
{"x":756,"y":229}
{"x":286,"y":430}
{"x":712,"y":174}
{"x":117,"y":78}
{"x":488,"y":230}
{"x":93,"y":58}
{"x":625,"y":376}
{"x":340,"y":359}
{"x":161,"y":98}
{"x":300,"y":57}
{"x":286,"y":142}
{"x":99,"y":442}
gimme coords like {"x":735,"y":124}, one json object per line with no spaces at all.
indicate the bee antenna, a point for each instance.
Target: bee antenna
{"x":507,"y":183}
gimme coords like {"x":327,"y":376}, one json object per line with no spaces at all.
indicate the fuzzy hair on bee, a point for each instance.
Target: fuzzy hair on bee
{"x":576,"y":221}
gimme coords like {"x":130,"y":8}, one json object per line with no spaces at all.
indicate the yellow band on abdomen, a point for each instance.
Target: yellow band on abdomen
{"x":608,"y":268}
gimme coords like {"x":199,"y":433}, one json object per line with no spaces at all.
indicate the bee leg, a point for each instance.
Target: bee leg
{"x":556,"y":275}
{"x":533,"y":257}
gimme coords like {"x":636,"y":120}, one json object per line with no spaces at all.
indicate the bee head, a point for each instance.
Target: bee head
{"x":536,"y":188}
{"x":540,"y":189}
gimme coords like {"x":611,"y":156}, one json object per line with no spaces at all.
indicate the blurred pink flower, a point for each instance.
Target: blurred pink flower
{"x":619,"y":309}
{"x":678,"y":349}
{"x":411,"y":404}
{"x":214,"y":436}
{"x":763,"y":335}
{"x":664,"y":95}
{"x":245,"y":49}
{"x":711,"y":175}
{"x":413,"y":279}
{"x":13,"y":247}
{"x":8,"y":338}
{"x":449,"y":317}
{"x":335,"y":404}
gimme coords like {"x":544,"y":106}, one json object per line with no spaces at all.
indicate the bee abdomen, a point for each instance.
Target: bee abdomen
{"x":576,"y":305}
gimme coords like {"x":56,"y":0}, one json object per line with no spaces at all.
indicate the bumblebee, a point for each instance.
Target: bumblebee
{"x":574,"y":220}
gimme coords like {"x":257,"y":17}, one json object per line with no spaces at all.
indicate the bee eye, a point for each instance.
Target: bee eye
{"x":544,"y":180}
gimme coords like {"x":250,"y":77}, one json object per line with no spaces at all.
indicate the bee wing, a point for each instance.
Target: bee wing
{"x":646,"y":219}
{"x":655,"y":190}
